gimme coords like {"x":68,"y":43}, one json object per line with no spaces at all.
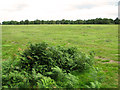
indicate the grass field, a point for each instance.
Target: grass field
{"x":102,"y":39}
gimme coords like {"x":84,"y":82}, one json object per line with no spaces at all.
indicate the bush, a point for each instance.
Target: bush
{"x":45,"y":66}
{"x":43,"y":58}
{"x":95,"y":84}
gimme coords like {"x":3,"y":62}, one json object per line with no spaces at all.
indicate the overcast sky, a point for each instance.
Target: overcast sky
{"x":57,"y":9}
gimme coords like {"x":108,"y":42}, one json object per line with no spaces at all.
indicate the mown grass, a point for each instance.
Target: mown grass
{"x":102,"y":39}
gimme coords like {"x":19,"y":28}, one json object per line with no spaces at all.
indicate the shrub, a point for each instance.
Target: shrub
{"x":40,"y":81}
{"x":13,"y":76}
{"x":94,"y":84}
{"x":66,"y":80}
{"x":43,"y":57}
{"x":45,"y":66}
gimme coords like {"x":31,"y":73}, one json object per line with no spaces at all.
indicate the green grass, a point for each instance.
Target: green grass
{"x":102,"y":39}
{"x":105,"y":60}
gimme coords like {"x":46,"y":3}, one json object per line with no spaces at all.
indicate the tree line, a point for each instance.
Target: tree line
{"x":63,"y":21}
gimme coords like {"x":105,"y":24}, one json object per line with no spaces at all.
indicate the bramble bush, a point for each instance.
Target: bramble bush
{"x":45,"y":66}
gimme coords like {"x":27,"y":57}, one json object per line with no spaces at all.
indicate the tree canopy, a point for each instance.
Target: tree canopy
{"x":63,"y":21}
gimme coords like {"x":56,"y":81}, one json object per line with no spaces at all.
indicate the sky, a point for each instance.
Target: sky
{"x":57,"y":9}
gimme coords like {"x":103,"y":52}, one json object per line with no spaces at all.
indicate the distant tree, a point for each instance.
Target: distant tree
{"x":26,"y":22}
{"x":76,"y":22}
{"x":80,"y":22}
{"x":31,"y":22}
{"x":17,"y":23}
{"x":42,"y":22}
{"x":63,"y":21}
{"x":111,"y":21}
{"x":4,"y":23}
{"x":22,"y":22}
{"x":117,"y":21}
{"x":47,"y":22}
{"x":53,"y":21}
{"x":66,"y":22}
{"x":37,"y":21}
{"x":71,"y":22}
{"x":12,"y":22}
{"x":58,"y":22}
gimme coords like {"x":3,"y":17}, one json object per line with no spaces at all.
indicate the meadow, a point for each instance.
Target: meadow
{"x":102,"y":39}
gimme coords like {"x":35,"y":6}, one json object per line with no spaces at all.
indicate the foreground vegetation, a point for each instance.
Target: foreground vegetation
{"x":45,"y":66}
{"x":102,"y":39}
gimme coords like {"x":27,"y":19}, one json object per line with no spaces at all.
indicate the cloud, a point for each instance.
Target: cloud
{"x":91,"y":4}
{"x":57,"y":9}
{"x":86,"y":6}
{"x":119,"y":10}
{"x":15,"y":8}
{"x":20,"y":6}
{"x":119,"y":3}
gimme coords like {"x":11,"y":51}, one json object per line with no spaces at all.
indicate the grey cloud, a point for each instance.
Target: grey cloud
{"x":85,"y":6}
{"x":92,"y":5}
{"x":119,"y":9}
{"x":16,"y":7}
{"x":119,"y":3}
{"x":113,"y":13}
{"x":112,"y":3}
{"x":21,"y":6}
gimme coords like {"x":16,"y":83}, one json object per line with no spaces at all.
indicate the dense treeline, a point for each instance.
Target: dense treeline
{"x":63,"y":21}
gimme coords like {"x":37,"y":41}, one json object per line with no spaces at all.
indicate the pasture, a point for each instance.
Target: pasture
{"x":102,"y":39}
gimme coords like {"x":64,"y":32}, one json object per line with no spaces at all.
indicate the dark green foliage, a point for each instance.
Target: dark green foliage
{"x":45,"y":66}
{"x":43,"y":57}
{"x":117,"y":21}
{"x":63,"y":21}
{"x":63,"y":79}
{"x":13,"y":76}
{"x":95,"y":84}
